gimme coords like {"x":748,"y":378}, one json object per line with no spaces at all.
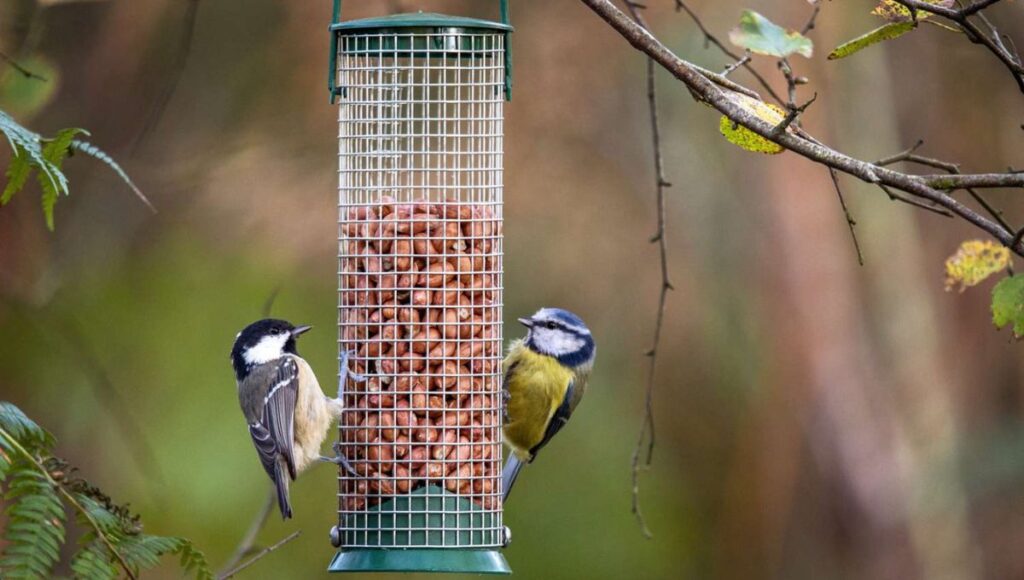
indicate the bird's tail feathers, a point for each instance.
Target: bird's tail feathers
{"x":281,"y":480}
{"x":509,"y":475}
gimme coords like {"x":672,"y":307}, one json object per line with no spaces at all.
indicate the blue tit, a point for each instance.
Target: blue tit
{"x":545,"y":378}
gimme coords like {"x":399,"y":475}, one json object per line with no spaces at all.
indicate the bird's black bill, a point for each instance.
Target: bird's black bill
{"x":300,"y":329}
{"x":528,"y":323}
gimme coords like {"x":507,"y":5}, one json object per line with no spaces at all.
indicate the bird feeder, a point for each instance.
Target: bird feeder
{"x":420,"y":112}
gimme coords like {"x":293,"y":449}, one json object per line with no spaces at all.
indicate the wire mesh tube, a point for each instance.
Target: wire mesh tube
{"x":420,"y":288}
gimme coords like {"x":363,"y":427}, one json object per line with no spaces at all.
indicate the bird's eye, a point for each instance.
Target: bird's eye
{"x":275,"y":331}
{"x":550,"y":325}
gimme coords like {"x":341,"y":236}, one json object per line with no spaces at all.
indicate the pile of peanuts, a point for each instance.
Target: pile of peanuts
{"x":420,"y":316}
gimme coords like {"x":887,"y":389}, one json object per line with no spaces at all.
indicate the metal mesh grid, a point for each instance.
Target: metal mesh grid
{"x":420,"y":288}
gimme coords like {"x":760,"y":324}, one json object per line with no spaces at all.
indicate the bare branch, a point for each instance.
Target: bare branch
{"x":951,"y":168}
{"x":846,"y":212}
{"x":810,"y":26}
{"x":249,"y":539}
{"x":260,"y":555}
{"x":24,"y":71}
{"x":975,"y":7}
{"x":960,"y":16}
{"x":910,"y":201}
{"x":642,"y":40}
{"x":647,"y":424}
{"x":177,"y":69}
{"x":965,"y":180}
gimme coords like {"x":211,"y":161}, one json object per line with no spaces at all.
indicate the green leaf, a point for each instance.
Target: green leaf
{"x":98,"y":154}
{"x":882,"y":33}
{"x":762,"y":36}
{"x":35,"y":527}
{"x":24,"y":430}
{"x":1008,"y":304}
{"x":54,"y":152}
{"x":895,"y":12}
{"x":973,"y":262}
{"x":17,"y":174}
{"x":745,"y":138}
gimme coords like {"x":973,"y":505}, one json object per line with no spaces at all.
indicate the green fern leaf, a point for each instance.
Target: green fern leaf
{"x":24,"y":430}
{"x":93,"y":562}
{"x":35,"y":527}
{"x":17,"y":174}
{"x":98,"y":154}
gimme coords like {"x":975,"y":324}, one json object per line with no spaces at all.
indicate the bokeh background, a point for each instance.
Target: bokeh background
{"x":815,"y":419}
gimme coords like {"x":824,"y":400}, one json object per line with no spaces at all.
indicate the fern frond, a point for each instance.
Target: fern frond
{"x":35,"y":528}
{"x":31,"y":151}
{"x":30,"y":143}
{"x":112,"y":541}
{"x":23,"y":429}
{"x":98,"y":154}
{"x":93,"y":562}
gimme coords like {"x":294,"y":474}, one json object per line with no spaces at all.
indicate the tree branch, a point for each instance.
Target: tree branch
{"x":960,"y":17}
{"x":642,"y":40}
{"x":846,"y":212}
{"x":24,"y":71}
{"x":259,"y":556}
{"x":660,"y":184}
{"x":249,"y":539}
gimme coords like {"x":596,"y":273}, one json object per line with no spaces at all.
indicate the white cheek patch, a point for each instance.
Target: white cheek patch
{"x":268,"y":349}
{"x":559,"y":343}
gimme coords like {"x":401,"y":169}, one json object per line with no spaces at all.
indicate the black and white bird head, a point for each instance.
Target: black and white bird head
{"x":561,"y":335}
{"x":263,"y":341}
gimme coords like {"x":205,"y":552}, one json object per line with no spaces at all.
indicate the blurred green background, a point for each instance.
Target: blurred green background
{"x":815,"y":419}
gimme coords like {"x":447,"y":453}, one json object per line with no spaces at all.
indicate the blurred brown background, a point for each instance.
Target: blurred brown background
{"x":816,"y":419}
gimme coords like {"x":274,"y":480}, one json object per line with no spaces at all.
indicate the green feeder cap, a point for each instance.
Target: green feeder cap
{"x":384,"y":24}
{"x":448,"y":35}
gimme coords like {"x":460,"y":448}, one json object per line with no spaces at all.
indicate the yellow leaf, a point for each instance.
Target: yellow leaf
{"x":745,"y":138}
{"x":973,"y":262}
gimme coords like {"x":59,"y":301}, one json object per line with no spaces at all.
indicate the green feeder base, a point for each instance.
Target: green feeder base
{"x":430,"y":524}
{"x":420,"y":560}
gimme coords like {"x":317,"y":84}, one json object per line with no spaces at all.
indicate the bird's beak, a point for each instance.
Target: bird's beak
{"x":300,"y":329}
{"x":527,"y":322}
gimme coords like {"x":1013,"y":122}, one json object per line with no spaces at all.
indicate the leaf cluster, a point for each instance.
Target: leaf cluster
{"x":40,"y":489}
{"x":31,"y":152}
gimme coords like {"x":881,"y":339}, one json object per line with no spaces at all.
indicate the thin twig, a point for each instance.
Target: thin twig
{"x":71,"y":500}
{"x":974,"y":34}
{"x":174,"y":76}
{"x":846,"y":212}
{"x":259,"y":555}
{"x":244,"y":547}
{"x":647,"y":424}
{"x":24,"y":71}
{"x":708,"y":37}
{"x":814,"y":16}
{"x":909,"y":201}
{"x":952,"y":169}
{"x":792,"y":115}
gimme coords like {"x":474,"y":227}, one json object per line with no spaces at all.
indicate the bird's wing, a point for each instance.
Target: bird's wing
{"x":273,"y":433}
{"x":558,"y":419}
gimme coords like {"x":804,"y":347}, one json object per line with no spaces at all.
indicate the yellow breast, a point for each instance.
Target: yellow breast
{"x":536,"y":385}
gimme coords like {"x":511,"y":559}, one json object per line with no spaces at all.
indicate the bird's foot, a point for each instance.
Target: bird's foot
{"x":340,"y":460}
{"x":344,"y":373}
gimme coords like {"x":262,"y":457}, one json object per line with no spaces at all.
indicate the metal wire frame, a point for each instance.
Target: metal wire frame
{"x":420,"y":289}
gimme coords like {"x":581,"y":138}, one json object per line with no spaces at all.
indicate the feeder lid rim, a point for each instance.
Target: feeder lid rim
{"x":418,"y":19}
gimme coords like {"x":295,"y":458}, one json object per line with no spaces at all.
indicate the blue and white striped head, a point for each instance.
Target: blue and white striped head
{"x":561,"y":335}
